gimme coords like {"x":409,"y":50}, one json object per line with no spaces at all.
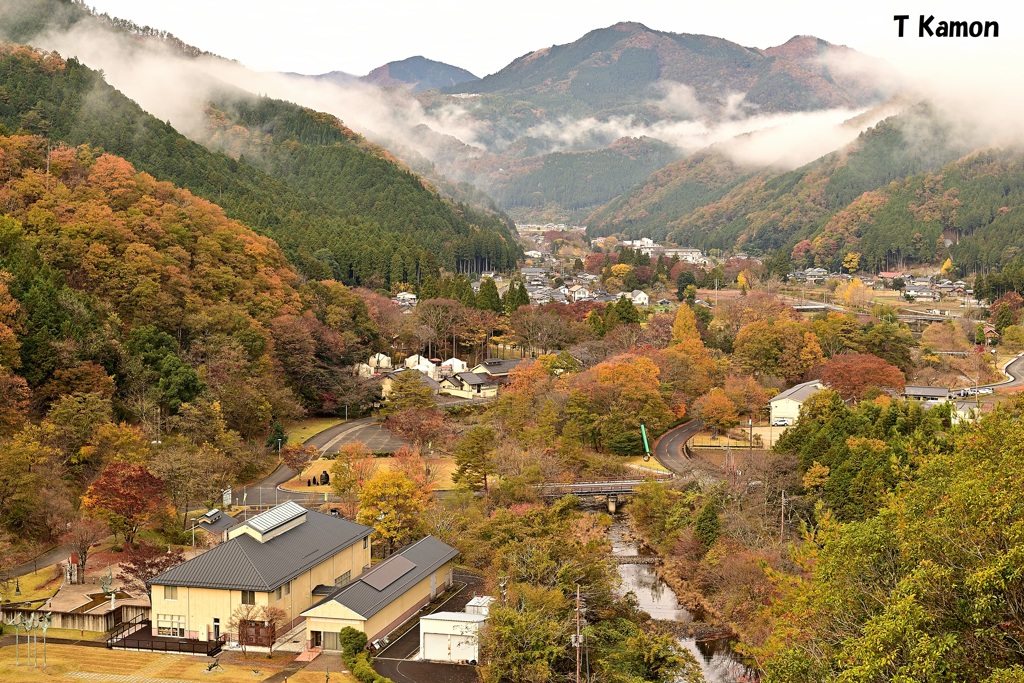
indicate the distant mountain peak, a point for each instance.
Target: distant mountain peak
{"x":419,"y":74}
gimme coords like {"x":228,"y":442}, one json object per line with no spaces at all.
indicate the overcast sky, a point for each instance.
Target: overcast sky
{"x":317,"y":36}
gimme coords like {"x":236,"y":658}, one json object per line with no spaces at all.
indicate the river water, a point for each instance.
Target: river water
{"x":717,"y":661}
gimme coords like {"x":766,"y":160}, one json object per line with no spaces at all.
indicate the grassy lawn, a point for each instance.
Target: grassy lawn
{"x":67,"y":633}
{"x":318,"y":677}
{"x":299,"y":431}
{"x":443,"y":466}
{"x":66,"y":663}
{"x":36,"y":587}
{"x":652,"y":464}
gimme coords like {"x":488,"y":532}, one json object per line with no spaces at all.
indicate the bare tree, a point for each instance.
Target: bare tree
{"x":257,"y":625}
{"x":84,"y":533}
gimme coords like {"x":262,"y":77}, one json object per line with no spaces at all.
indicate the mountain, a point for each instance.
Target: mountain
{"x":160,"y":294}
{"x":915,"y":188}
{"x":538,"y":122}
{"x":674,"y":191}
{"x":419,"y":74}
{"x":626,"y":66}
{"x":341,"y":207}
{"x":577,"y":182}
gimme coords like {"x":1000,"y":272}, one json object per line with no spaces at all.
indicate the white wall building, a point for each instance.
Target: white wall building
{"x":451,"y":637}
{"x":787,"y":404}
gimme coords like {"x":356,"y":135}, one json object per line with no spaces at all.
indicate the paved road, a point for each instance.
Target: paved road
{"x":53,"y":556}
{"x":668,"y":450}
{"x":1015,"y":370}
{"x":373,"y":435}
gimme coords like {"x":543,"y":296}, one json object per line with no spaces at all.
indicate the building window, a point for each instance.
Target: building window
{"x":172,"y":625}
{"x":343,"y":579}
{"x":170,"y":592}
{"x":277,"y":593}
{"x":248,"y":597}
{"x":288,"y":588}
{"x":366,"y":542}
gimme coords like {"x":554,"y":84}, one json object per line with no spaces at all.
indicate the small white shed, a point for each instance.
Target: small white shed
{"x":451,"y":637}
{"x":480,"y":604}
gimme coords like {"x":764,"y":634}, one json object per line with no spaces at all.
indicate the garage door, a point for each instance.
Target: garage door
{"x":464,"y":648}
{"x":440,"y":647}
{"x":435,"y":647}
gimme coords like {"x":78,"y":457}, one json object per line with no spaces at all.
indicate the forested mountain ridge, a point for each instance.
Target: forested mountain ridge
{"x":341,"y":208}
{"x":909,"y":190}
{"x":112,"y":278}
{"x":621,"y":65}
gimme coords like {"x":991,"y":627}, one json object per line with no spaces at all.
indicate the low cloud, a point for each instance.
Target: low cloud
{"x":177,"y":89}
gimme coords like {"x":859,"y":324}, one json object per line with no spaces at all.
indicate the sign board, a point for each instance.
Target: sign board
{"x":226,"y":497}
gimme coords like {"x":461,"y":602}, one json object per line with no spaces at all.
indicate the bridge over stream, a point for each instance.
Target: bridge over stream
{"x":611,"y":490}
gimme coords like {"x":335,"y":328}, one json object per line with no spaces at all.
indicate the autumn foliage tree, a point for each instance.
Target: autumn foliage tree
{"x":854,"y":374}
{"x":145,"y":560}
{"x":717,"y":410}
{"x":391,"y":503}
{"x":128,"y":496}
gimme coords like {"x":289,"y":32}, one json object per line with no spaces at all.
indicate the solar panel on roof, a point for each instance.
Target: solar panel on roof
{"x":276,"y":516}
{"x":388,"y":572}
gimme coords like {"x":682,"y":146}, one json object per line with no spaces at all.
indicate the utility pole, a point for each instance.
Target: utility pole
{"x":578,"y":643}
{"x":782,"y":519}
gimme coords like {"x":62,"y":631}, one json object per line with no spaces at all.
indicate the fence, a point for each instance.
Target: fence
{"x":78,"y":621}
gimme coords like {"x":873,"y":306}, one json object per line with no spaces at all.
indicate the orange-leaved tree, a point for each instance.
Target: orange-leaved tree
{"x":128,"y":496}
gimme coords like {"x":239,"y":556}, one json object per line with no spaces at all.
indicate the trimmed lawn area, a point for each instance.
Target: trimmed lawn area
{"x":318,"y":677}
{"x":444,"y":467}
{"x":36,"y":587}
{"x":67,"y":663}
{"x":637,"y":461}
{"x":66,"y":633}
{"x":299,"y":431}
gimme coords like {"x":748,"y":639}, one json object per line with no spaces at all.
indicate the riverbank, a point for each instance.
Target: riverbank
{"x":709,"y":643}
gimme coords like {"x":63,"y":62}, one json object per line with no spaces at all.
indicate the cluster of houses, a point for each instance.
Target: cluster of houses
{"x":785,"y":407}
{"x":917,"y":287}
{"x":574,"y":288}
{"x":315,"y":569}
{"x":452,"y":377}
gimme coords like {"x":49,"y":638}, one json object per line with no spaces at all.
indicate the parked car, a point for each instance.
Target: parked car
{"x":985,"y":390}
{"x":780,"y":422}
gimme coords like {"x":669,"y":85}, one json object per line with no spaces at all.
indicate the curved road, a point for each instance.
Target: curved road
{"x":1015,"y":374}
{"x":668,"y":450}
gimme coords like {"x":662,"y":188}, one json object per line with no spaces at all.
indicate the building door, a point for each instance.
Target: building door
{"x":216,"y":629}
{"x":317,"y":638}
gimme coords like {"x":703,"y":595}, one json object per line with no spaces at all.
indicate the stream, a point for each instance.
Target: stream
{"x":716,"y":658}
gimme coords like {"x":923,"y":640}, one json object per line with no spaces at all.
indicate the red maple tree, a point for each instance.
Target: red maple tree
{"x":128,"y":496}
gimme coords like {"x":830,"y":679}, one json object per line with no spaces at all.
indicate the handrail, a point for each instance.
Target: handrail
{"x":125,"y":628}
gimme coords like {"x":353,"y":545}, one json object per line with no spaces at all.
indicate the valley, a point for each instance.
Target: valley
{"x":291,"y":357}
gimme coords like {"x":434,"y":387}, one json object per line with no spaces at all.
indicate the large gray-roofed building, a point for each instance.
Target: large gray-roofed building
{"x":267,"y":550}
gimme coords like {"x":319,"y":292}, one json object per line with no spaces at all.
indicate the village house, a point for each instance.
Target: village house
{"x":578,"y":293}
{"x":496,"y":369}
{"x":453,"y":365}
{"x":275,"y":559}
{"x":785,"y":408}
{"x":638,"y":297}
{"x":468,"y":385}
{"x":382,"y":599}
{"x":926,"y":393}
